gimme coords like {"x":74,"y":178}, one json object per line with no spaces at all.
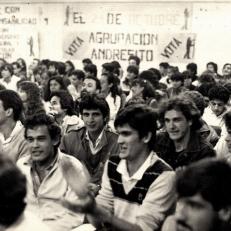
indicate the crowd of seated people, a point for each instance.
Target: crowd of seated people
{"x":97,"y":148}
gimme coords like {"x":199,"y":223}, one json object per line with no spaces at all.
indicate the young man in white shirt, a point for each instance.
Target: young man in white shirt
{"x":137,"y":186}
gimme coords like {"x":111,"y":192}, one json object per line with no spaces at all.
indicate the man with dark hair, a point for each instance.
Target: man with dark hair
{"x":192,"y":68}
{"x":177,"y":82}
{"x":91,"y":85}
{"x":218,"y":100}
{"x":181,"y":143}
{"x":204,"y":202}
{"x":44,"y":173}
{"x":12,"y":141}
{"x":94,"y":143}
{"x":90,"y":70}
{"x":13,"y":215}
{"x":86,"y":61}
{"x":107,"y":68}
{"x":163,"y":67}
{"x":134,"y":60}
{"x":137,"y":186}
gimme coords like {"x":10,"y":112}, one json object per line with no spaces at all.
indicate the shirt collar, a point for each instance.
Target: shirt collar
{"x":98,"y":139}
{"x":17,"y":128}
{"x":122,"y":167}
{"x":221,"y":115}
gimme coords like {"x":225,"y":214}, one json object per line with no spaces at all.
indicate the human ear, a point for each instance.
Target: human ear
{"x":147,"y":138}
{"x":9,"y":111}
{"x":56,"y":141}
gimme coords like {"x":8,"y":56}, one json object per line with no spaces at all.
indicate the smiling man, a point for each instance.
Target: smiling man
{"x":180,"y":143}
{"x":93,"y":143}
{"x":43,"y":170}
{"x":137,"y":186}
{"x":218,"y":100}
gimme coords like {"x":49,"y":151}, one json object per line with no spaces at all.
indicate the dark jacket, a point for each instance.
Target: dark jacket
{"x":197,"y":149}
{"x":75,"y":143}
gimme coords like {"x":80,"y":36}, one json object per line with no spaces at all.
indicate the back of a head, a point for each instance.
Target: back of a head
{"x":87,"y":60}
{"x":30,"y":88}
{"x":79,"y":74}
{"x":197,"y":98}
{"x":164,"y":65}
{"x":141,"y":118}
{"x":177,"y":77}
{"x":12,"y":193}
{"x":192,"y":67}
{"x":211,"y":178}
{"x":10,"y":99}
{"x":219,"y":92}
{"x":204,"y":88}
{"x":150,"y":76}
{"x":108,"y":67}
{"x":45,"y":62}
{"x":116,"y":64}
{"x":156,"y":72}
{"x":91,"y":68}
{"x":61,"y":68}
{"x":133,"y":69}
{"x":207,"y":77}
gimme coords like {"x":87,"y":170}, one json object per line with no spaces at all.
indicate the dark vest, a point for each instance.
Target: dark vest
{"x":139,"y":191}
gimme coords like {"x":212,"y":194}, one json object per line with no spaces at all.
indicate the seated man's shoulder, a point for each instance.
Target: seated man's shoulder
{"x":161,"y":134}
{"x":24,"y":160}
{"x":71,"y":159}
{"x":76,"y":132}
{"x":162,"y":139}
{"x":162,"y":165}
{"x":169,"y":224}
{"x":110,"y":132}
